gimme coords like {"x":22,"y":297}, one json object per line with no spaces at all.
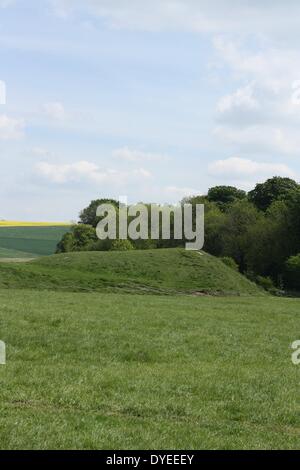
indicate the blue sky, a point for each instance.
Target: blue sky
{"x":153,"y":100}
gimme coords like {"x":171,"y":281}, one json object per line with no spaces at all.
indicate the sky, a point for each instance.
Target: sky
{"x":150,"y":100}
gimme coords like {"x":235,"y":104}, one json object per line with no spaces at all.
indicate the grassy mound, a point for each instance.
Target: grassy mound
{"x":152,"y":271}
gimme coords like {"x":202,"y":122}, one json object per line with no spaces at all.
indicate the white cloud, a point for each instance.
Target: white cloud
{"x":242,"y":99}
{"x":6,"y":3}
{"x":87,"y":172}
{"x":131,"y":155}
{"x":55,"y":110}
{"x":61,"y":173}
{"x":263,"y":115}
{"x":2,"y":92}
{"x":215,"y":16}
{"x":236,"y":168}
{"x":180,"y":192}
{"x":11,"y":129}
{"x":241,"y":107}
{"x":270,"y":65}
{"x":140,"y":172}
{"x":61,"y":8}
{"x":40,"y":152}
{"x":261,"y":138}
{"x":141,"y":15}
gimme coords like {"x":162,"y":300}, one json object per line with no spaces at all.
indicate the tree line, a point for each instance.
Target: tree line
{"x":257,"y":232}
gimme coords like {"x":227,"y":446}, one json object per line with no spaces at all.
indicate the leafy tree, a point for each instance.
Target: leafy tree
{"x":264,"y":256}
{"x":66,"y":244}
{"x":292,"y":222}
{"x":272,"y":239}
{"x":81,"y":238}
{"x":274,"y":189}
{"x":215,"y":223}
{"x":88,"y":215}
{"x":225,"y":195}
{"x":235,"y":237}
{"x":292,"y":274}
{"x":200,"y":199}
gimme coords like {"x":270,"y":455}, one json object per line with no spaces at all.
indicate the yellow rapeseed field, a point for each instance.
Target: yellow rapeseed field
{"x":14,"y":223}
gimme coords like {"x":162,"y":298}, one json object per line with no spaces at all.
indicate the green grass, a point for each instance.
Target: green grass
{"x":110,"y":371}
{"x":6,"y":253}
{"x":93,"y":365}
{"x":165,"y":271}
{"x":30,"y":241}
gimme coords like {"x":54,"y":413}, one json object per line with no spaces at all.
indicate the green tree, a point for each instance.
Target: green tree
{"x":66,"y":244}
{"x":80,"y":238}
{"x":88,"y":215}
{"x":292,"y":222}
{"x":215,"y":225}
{"x":274,"y":189}
{"x":292,"y":274}
{"x":263,"y":255}
{"x":225,"y":195}
{"x":240,"y":217}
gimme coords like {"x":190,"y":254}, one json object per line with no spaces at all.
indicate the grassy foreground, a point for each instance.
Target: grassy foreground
{"x":165,"y":271}
{"x":92,"y":371}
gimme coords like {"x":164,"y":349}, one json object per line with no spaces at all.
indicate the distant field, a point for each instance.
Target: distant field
{"x":29,"y":241}
{"x":6,"y":253}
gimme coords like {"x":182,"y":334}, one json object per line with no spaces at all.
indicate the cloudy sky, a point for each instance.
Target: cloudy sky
{"x":153,"y":100}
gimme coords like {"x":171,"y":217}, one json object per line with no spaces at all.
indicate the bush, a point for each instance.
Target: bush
{"x":265,"y":282}
{"x":80,"y":238}
{"x":144,"y":244}
{"x":230,"y":263}
{"x":121,"y":245}
{"x":292,"y":272}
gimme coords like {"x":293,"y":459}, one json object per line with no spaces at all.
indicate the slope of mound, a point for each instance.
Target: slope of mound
{"x":157,"y":271}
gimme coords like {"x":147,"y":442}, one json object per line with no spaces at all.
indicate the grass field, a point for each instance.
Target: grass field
{"x":119,"y":371}
{"x":93,"y":364}
{"x":29,"y":241}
